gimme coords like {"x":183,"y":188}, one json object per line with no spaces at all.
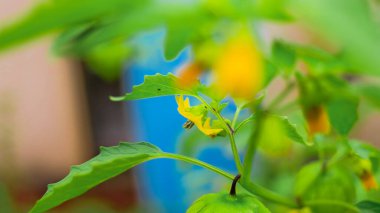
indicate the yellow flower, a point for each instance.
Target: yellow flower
{"x":184,"y":109}
{"x":239,"y":68}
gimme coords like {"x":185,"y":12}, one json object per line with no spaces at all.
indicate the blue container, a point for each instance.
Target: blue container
{"x":157,"y":121}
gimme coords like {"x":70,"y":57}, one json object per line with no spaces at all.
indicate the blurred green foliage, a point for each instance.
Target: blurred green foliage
{"x":99,"y":32}
{"x":91,"y":29}
{"x":6,"y":202}
{"x":96,"y":171}
{"x":347,"y":23}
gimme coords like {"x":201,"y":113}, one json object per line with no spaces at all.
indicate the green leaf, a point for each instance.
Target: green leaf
{"x":222,"y":202}
{"x":370,"y":93}
{"x":55,"y":15}
{"x":291,"y":130}
{"x":305,"y":177}
{"x":176,"y":39}
{"x":330,"y":18}
{"x":111,"y":162}
{"x":318,"y":60}
{"x":62,"y":44}
{"x":179,"y":34}
{"x":116,"y":27}
{"x":283,"y":55}
{"x":155,"y":86}
{"x":343,"y":114}
{"x":107,"y":60}
{"x":364,"y":150}
{"x":271,"y":9}
{"x":271,"y":72}
{"x":5,"y":199}
{"x":287,"y":128}
{"x":367,"y":206}
{"x":277,"y":134}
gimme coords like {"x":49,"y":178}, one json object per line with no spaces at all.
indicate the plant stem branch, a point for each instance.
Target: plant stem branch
{"x":249,"y":186}
{"x":338,"y":156}
{"x":230,"y":132}
{"x":332,"y":202}
{"x":268,"y":195}
{"x":252,"y":146}
{"x":234,"y":149}
{"x":236,"y":153}
{"x":199,"y":163}
{"x":321,"y":152}
{"x":236,"y":116}
{"x":244,"y":122}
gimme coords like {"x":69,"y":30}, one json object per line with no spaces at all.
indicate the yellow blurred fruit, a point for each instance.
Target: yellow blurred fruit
{"x":238,"y":69}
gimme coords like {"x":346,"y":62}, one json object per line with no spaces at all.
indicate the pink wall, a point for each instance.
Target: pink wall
{"x":43,"y":117}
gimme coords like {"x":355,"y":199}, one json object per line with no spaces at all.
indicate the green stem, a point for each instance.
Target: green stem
{"x":252,"y":146}
{"x":268,"y":195}
{"x":236,"y":154}
{"x":249,"y":186}
{"x":321,"y":152}
{"x":337,"y":157}
{"x":281,"y":96}
{"x":199,"y":163}
{"x":236,"y":116}
{"x":332,"y":202}
{"x":244,"y":122}
{"x":234,"y":149}
{"x":227,"y":126}
{"x":230,"y":133}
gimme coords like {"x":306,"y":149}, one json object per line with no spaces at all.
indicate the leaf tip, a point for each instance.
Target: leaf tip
{"x":117,"y":98}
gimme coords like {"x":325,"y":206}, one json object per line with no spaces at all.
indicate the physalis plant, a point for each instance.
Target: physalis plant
{"x":239,"y":73}
{"x":300,"y":133}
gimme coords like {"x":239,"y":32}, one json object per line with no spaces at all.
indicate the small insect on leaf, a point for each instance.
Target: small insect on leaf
{"x":188,"y":124}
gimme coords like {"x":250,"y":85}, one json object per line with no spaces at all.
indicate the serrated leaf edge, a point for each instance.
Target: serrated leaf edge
{"x":76,"y":170}
{"x":148,"y":77}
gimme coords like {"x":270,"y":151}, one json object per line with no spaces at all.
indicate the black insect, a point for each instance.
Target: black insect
{"x":188,"y":124}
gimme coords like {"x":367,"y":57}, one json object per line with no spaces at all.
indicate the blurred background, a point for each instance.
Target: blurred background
{"x":55,"y":112}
